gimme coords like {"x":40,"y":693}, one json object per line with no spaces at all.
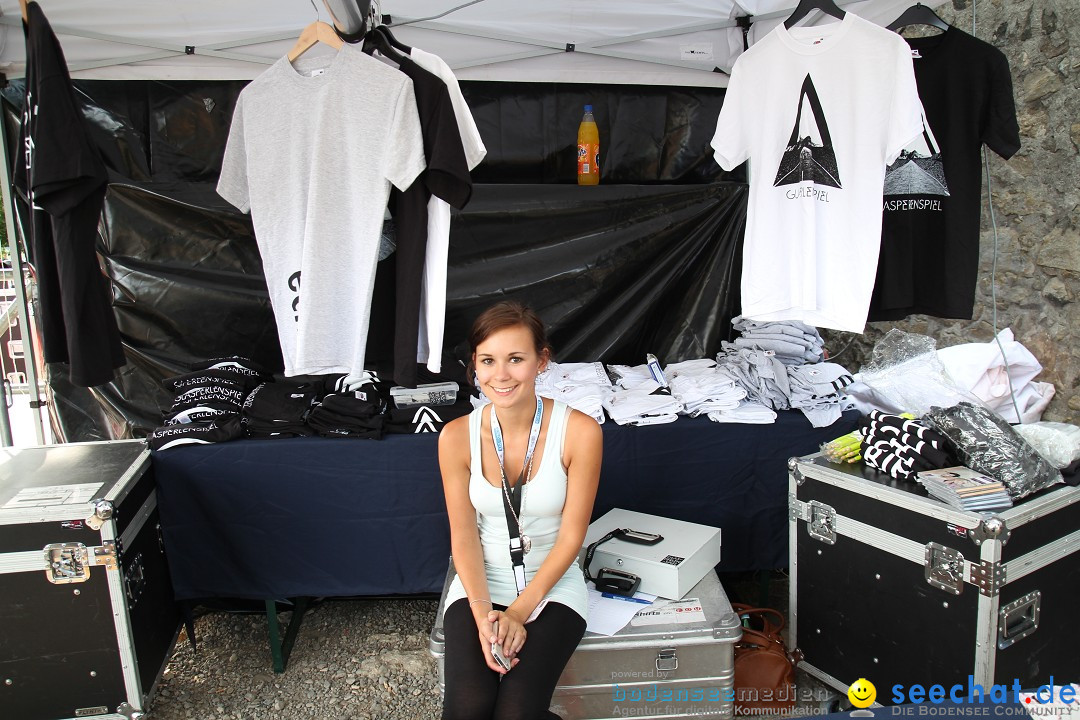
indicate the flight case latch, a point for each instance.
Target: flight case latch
{"x":70,"y":562}
{"x":822,"y":523}
{"x":944,"y":568}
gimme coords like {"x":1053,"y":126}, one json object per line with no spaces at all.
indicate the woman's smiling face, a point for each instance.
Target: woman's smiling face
{"x":507,"y":364}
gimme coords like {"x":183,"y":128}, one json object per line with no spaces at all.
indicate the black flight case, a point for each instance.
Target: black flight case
{"x":891,"y":585}
{"x":87,"y":617}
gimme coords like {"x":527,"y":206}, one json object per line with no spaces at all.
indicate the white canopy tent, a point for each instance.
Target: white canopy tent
{"x":675,"y":42}
{"x":687,"y":43}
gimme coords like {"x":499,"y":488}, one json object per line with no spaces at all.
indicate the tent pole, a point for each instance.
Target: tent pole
{"x":553,"y":47}
{"x":20,"y":297}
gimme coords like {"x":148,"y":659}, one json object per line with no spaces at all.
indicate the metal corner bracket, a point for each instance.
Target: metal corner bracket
{"x":991,"y":528}
{"x":988,"y":577}
{"x":796,"y":473}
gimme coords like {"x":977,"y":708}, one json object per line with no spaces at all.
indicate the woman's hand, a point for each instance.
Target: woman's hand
{"x":509,"y":634}
{"x":511,"y":631}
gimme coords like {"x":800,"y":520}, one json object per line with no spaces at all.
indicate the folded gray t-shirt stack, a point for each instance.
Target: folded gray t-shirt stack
{"x":763,"y":377}
{"x":816,"y":390}
{"x":793,"y":342}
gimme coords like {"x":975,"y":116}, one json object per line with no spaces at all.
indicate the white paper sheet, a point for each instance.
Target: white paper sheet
{"x":609,"y":614}
{"x":677,"y":611}
{"x":53,"y":495}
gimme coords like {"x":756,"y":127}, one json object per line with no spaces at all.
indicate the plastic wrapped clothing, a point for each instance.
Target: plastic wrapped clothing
{"x":1057,"y":442}
{"x":987,"y":371}
{"x":905,"y":375}
{"x":987,"y":444}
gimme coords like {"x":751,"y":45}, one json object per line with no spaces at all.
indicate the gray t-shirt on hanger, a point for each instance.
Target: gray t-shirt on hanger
{"x":312,"y":152}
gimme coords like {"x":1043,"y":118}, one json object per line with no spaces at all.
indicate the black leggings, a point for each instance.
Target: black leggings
{"x":475,"y":692}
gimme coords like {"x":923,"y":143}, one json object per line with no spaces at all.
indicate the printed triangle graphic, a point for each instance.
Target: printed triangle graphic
{"x":805,"y":160}
{"x":919,"y":169}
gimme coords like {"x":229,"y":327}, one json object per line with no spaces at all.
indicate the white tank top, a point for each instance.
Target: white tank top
{"x":541,"y":516}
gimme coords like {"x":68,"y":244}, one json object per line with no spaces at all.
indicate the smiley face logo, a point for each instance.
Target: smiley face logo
{"x":862,"y":693}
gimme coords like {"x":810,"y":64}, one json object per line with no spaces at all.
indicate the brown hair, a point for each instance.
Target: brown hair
{"x":502,"y":315}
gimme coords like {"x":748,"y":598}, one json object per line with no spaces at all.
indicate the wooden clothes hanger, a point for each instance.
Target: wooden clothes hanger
{"x":805,"y":6}
{"x":315,"y":33}
{"x":917,"y":14}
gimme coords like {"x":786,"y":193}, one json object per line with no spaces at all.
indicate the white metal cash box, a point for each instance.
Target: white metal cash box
{"x":671,"y":567}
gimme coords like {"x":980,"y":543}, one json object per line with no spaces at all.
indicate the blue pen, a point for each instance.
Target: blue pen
{"x":627,"y":599}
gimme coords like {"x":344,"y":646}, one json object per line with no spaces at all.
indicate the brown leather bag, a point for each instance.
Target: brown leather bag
{"x":764,"y":669}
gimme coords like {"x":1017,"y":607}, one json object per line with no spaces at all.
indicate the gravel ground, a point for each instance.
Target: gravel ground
{"x":353,"y":660}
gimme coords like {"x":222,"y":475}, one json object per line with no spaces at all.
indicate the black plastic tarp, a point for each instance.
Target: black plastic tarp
{"x":646,"y":262}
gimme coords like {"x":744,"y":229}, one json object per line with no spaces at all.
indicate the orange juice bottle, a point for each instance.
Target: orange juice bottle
{"x":588,"y":150}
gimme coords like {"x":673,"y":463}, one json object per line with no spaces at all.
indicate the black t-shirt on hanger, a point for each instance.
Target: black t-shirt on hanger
{"x":446,"y":177}
{"x":59,"y":172}
{"x":930,"y":233}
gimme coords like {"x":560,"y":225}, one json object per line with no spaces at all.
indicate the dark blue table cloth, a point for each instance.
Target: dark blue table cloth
{"x":266,"y":519}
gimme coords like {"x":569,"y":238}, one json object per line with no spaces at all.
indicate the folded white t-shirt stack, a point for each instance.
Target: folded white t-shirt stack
{"x":637,"y":399}
{"x":748,"y":412}
{"x":582,"y":386}
{"x":629,"y":377}
{"x":701,"y":388}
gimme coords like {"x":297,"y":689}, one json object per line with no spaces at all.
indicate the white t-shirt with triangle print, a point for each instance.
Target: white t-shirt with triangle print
{"x":819,"y":112}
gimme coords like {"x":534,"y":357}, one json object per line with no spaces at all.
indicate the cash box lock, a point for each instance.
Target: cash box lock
{"x":70,"y":562}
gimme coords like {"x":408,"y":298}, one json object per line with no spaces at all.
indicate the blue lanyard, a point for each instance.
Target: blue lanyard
{"x":534,"y":434}
{"x":519,"y":542}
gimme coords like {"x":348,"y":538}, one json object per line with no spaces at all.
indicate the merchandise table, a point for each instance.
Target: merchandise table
{"x":319,"y":517}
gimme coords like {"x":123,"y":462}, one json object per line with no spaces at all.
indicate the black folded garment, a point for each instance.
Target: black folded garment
{"x":356,"y":404}
{"x":181,"y":383}
{"x":911,"y":427}
{"x":236,"y":365}
{"x":888,"y":462}
{"x":282,"y":401}
{"x":891,"y":431}
{"x":220,"y":396}
{"x":902,"y":447}
{"x":425,"y":418}
{"x":898,"y":462}
{"x":206,"y":433}
{"x":329,"y":424}
{"x":198,"y":414}
{"x":290,"y":431}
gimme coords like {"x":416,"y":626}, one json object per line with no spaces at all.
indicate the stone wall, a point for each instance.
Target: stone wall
{"x":1036,"y":200}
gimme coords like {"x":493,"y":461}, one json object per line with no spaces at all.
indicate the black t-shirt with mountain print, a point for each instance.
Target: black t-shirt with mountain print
{"x":930,"y":231}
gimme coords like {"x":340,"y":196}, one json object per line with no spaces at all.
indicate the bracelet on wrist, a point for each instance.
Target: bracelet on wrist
{"x":479,"y":600}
